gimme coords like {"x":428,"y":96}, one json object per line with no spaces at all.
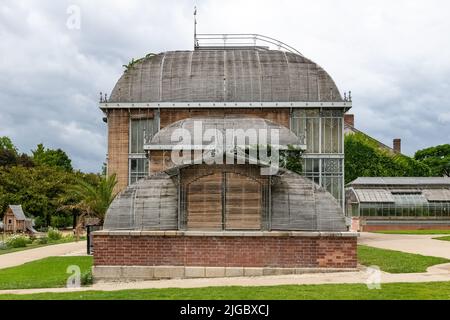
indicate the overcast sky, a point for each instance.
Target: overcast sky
{"x":393,"y":55}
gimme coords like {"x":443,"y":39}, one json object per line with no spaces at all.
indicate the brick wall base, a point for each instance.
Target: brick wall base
{"x":225,"y":251}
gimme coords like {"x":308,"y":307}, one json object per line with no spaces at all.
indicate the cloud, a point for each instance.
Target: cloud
{"x":391,"y":54}
{"x":444,"y":118}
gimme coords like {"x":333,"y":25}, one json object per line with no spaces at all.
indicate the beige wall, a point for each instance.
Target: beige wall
{"x":279,"y":116}
{"x":118,"y":125}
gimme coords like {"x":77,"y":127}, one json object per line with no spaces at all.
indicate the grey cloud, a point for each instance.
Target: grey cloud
{"x":391,"y":54}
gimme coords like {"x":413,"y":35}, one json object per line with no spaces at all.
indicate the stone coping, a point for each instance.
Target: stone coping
{"x":174,"y":233}
{"x":136,"y":273}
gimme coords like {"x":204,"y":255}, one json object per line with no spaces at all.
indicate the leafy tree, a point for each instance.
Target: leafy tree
{"x":37,"y":189}
{"x":6,"y":143}
{"x":24,"y":160}
{"x":292,"y":159}
{"x":7,"y":158}
{"x":364,"y":158}
{"x":9,"y":155}
{"x":8,"y":152}
{"x":437,"y":158}
{"x":94,"y":199}
{"x":53,"y":158}
{"x":43,"y":189}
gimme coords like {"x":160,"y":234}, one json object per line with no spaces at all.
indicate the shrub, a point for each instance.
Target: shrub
{"x":42,"y":240}
{"x":3,"y":245}
{"x":40,"y":224}
{"x":61,"y":221}
{"x":86,"y":278}
{"x":18,"y":241}
{"x":32,"y":237}
{"x":54,"y":234}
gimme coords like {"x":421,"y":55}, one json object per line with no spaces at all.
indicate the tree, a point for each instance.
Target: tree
{"x":7,"y":158}
{"x":37,"y":189}
{"x":292,"y":159}
{"x":24,"y":160}
{"x":8,"y":152}
{"x":9,"y":155}
{"x":364,"y":158}
{"x":6,"y":143}
{"x":52,"y":158}
{"x":93,"y":199}
{"x":437,"y":158}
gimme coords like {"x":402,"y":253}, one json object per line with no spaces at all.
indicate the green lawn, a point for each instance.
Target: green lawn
{"x":396,"y":261}
{"x":45,"y":273}
{"x":447,"y":238}
{"x":51,"y":273}
{"x":414,"y":232}
{"x":393,"y":291}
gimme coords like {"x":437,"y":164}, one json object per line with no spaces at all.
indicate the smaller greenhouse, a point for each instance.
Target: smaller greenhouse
{"x":398,"y":203}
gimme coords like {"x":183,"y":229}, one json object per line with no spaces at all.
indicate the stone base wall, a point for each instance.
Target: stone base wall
{"x":136,"y":273}
{"x":226,"y":249}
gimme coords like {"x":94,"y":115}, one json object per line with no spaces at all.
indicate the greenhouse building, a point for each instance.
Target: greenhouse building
{"x":227,"y":217}
{"x":398,"y":203}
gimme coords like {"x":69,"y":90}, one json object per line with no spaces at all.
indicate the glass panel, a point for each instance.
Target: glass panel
{"x":331,"y":135}
{"x":138,"y":169}
{"x":309,"y":124}
{"x":139,"y":129}
{"x":312,"y":135}
{"x":305,"y":124}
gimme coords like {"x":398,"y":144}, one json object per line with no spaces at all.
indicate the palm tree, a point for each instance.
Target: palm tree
{"x":93,"y":199}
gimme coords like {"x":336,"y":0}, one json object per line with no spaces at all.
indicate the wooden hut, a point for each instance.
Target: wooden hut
{"x":15,"y":220}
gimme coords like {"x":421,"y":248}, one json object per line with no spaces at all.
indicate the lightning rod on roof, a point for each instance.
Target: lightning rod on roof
{"x":195,"y":27}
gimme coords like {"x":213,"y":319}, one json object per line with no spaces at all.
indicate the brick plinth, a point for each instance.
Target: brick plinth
{"x":225,"y":251}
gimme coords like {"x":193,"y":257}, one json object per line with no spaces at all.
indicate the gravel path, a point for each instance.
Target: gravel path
{"x":21,"y":257}
{"x":420,"y":244}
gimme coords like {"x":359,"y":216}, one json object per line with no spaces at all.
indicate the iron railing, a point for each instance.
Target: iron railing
{"x":230,"y":40}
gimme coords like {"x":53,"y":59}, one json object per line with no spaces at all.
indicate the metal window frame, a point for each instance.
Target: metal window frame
{"x":321,"y":156}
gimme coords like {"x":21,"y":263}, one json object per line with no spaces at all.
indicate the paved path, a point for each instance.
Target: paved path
{"x":435,"y":273}
{"x":21,"y":257}
{"x":420,"y":244}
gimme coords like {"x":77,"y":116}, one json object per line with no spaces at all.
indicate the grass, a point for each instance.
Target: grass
{"x":447,"y":238}
{"x":392,"y":291}
{"x":395,"y":261}
{"x":414,"y":232}
{"x":35,"y":245}
{"x":44,"y":273}
{"x":51,"y":273}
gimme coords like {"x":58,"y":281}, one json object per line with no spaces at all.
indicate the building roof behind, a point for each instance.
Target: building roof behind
{"x":349,"y":129}
{"x":219,"y":75}
{"x":374,"y":196}
{"x":18,"y":212}
{"x":400,"y":181}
